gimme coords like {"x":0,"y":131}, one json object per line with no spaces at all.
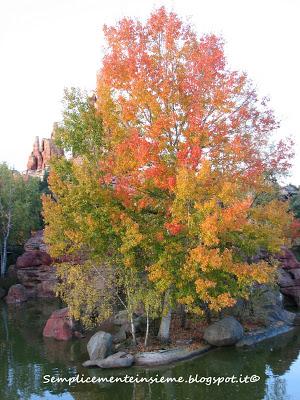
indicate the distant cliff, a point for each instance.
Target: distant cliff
{"x":39,"y":159}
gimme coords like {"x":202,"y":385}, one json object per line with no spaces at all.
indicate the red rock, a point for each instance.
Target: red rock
{"x":36,"y":242}
{"x":35,"y":270}
{"x":59,"y":325}
{"x":46,"y":288}
{"x":39,"y":281}
{"x":288,"y":259}
{"x":33,"y":258}
{"x":39,"y":159}
{"x":16,"y":294}
{"x":12,"y":272}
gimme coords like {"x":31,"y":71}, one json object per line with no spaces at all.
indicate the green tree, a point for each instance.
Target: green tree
{"x":20,"y":208}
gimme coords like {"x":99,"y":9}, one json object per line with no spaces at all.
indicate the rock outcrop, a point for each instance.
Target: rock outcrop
{"x":59,"y":326}
{"x":225,"y":332}
{"x":263,"y":308}
{"x":39,"y":159}
{"x":16,"y":294}
{"x":35,"y":270}
{"x":289,"y":277}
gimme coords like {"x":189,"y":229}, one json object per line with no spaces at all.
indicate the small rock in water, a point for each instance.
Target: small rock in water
{"x":117,"y":360}
{"x":100,"y":345}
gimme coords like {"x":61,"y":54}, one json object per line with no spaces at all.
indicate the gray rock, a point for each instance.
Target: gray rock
{"x":164,"y":357}
{"x":99,"y":345}
{"x":264,"y":307}
{"x":276,"y":313}
{"x":117,"y":360}
{"x":296,"y":321}
{"x":285,"y":278}
{"x":265,"y":334}
{"x":121,"y":318}
{"x":225,"y":332}
{"x":120,"y":335}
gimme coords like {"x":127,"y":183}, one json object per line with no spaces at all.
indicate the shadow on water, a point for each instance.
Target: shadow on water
{"x":25,"y":357}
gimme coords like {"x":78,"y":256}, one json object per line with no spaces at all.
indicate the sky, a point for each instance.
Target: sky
{"x":46,"y":45}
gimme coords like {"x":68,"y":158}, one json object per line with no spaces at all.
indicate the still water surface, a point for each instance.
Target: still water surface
{"x":25,"y":357}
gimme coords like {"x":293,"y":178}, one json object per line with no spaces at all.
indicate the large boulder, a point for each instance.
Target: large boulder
{"x":100,"y":345}
{"x":225,"y":332}
{"x":33,"y":258}
{"x":117,"y":360}
{"x":16,"y":294}
{"x":59,"y":326}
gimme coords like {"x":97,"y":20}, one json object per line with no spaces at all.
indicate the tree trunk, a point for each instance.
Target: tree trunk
{"x":4,"y":257}
{"x":147,"y":328}
{"x":132,"y":329}
{"x":4,"y":246}
{"x":164,"y":329}
{"x":182,"y":317}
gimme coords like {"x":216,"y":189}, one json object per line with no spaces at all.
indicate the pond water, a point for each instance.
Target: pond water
{"x":25,"y":357}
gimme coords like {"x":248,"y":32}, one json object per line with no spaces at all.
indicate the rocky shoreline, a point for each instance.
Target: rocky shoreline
{"x":111,"y":346}
{"x":170,"y":356}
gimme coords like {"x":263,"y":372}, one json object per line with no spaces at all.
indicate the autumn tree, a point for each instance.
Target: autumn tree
{"x":170,"y":183}
{"x":87,"y":228}
{"x":190,"y":154}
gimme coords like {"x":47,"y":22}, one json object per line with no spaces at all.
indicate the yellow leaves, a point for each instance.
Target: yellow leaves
{"x":187,"y":300}
{"x":202,"y":285}
{"x":221,"y":301}
{"x":85,"y":292}
{"x":229,"y":192}
{"x":269,"y":224}
{"x":261,"y":272}
{"x":74,"y":236}
{"x":185,"y":184}
{"x":209,"y":230}
{"x":160,"y":275}
{"x":206,"y":258}
{"x":131,"y":236}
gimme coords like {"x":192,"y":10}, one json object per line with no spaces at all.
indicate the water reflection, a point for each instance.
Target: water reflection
{"x":25,"y":357}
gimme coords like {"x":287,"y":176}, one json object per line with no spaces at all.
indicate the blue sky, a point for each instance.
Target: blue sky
{"x":46,"y":45}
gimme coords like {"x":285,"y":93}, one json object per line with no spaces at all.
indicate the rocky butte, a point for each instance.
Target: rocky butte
{"x":39,"y":159}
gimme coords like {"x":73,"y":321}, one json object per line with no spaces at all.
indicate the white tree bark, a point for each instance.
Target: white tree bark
{"x":6,"y":227}
{"x":147,"y":328}
{"x":164,"y":329}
